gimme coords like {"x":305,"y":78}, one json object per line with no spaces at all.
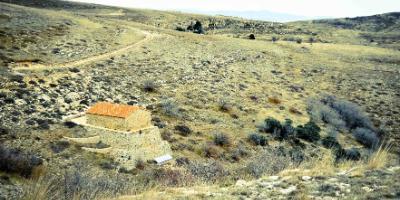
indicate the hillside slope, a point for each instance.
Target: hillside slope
{"x":214,"y":96}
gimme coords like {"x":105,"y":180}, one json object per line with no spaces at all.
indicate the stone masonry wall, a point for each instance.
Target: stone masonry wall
{"x":127,"y":148}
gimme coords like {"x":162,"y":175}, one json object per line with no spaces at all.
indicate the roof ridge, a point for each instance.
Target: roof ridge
{"x":112,"y":110}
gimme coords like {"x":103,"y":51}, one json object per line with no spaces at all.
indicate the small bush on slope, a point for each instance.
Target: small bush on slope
{"x":323,"y":113}
{"x":309,"y":132}
{"x":331,"y":143}
{"x":366,"y":137}
{"x":343,"y":114}
{"x":149,"y":86}
{"x":16,"y":161}
{"x":349,"y":112}
{"x":257,"y":139}
{"x":221,"y":139}
{"x":270,"y":125}
{"x":170,"y":108}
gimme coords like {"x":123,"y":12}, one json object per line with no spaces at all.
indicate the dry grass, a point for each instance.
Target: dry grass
{"x":322,"y":166}
{"x":325,"y":165}
{"x":37,"y":189}
{"x":274,"y":100}
{"x":379,"y":159}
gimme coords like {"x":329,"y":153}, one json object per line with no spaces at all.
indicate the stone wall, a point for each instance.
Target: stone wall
{"x":127,"y":148}
{"x":107,"y":122}
{"x":137,"y":120}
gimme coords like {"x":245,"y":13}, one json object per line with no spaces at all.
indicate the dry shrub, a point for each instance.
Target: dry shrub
{"x":294,"y":110}
{"x":211,"y":151}
{"x":326,"y":164}
{"x":323,"y":165}
{"x":207,"y":171}
{"x":166,"y":177}
{"x":222,"y":139}
{"x":38,"y":189}
{"x":149,"y":86}
{"x":268,"y":162}
{"x":274,"y":100}
{"x":17,"y":161}
{"x":225,"y":106}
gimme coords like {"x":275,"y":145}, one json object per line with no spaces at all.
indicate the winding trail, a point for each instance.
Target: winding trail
{"x":39,"y":67}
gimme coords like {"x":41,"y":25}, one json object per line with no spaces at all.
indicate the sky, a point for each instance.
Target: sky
{"x":308,"y":8}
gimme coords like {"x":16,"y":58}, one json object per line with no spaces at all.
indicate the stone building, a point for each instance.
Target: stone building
{"x":126,"y":130}
{"x":118,"y":117}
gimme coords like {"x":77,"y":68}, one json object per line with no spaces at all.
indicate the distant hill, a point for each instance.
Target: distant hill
{"x":258,"y":15}
{"x":374,"y":23}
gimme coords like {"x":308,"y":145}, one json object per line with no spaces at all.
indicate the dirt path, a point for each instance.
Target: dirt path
{"x":38,"y":67}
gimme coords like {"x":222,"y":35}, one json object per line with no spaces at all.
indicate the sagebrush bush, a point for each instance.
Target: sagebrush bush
{"x":347,"y":154}
{"x":350,"y":113}
{"x":320,"y":112}
{"x":252,"y":37}
{"x":338,"y":113}
{"x":149,"y":86}
{"x":140,"y":164}
{"x":211,"y":151}
{"x":16,"y":161}
{"x":221,"y":139}
{"x":310,"y":132}
{"x":170,"y":108}
{"x":287,"y":130}
{"x":257,"y":139}
{"x":366,"y":137}
{"x":166,"y":177}
{"x":330,"y":142}
{"x":183,"y":130}
{"x":267,"y":162}
{"x":208,"y":171}
{"x":270,"y":125}
{"x":77,"y":182}
{"x":224,"y":106}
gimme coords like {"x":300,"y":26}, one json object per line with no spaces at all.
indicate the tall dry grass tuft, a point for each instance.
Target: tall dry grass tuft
{"x":38,"y":188}
{"x":323,"y":165}
{"x":379,"y":158}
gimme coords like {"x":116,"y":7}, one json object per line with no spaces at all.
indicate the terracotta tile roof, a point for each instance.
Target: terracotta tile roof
{"x":112,"y":110}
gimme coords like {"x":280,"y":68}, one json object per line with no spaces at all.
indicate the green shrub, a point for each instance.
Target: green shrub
{"x":309,"y":132}
{"x":252,"y":37}
{"x":347,"y":154}
{"x":257,"y":139}
{"x":183,"y":130}
{"x":287,"y":130}
{"x":271,"y":125}
{"x":16,"y":161}
{"x":331,"y":143}
{"x":178,"y":28}
{"x":221,"y":139}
